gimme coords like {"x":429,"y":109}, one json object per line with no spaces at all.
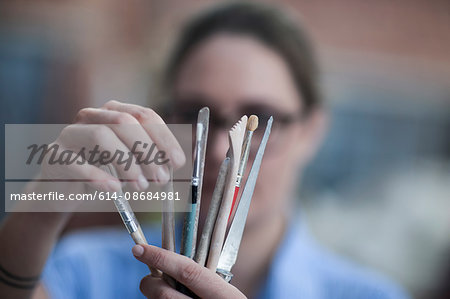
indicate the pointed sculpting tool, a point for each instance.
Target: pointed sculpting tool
{"x":230,"y":249}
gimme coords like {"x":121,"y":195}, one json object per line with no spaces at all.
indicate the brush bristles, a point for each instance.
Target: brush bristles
{"x":252,"y":123}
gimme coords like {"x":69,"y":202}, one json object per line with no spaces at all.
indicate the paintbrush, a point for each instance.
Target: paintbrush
{"x":202,"y":251}
{"x":128,"y":217}
{"x":235,"y":138}
{"x":189,"y":236}
{"x":168,"y":220}
{"x":230,"y":249}
{"x":252,"y":125}
{"x":168,"y":224}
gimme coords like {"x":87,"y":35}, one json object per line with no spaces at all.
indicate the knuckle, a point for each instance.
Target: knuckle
{"x":144,"y":114}
{"x":143,"y":285}
{"x":164,"y":293}
{"x":83,"y":114}
{"x":124,"y":118}
{"x":110,"y":103}
{"x":158,"y":260}
{"x":97,"y":133}
{"x":67,"y":133}
{"x":149,"y":111}
{"x":190,"y":274}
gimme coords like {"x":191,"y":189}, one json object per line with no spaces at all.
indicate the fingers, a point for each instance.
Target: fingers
{"x":198,"y":279}
{"x":154,"y":287}
{"x":161,"y":134}
{"x":102,"y":139}
{"x":91,"y":175}
{"x":146,"y":137}
{"x":132,"y":134}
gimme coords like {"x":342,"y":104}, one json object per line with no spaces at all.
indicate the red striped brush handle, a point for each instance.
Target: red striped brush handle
{"x":236,"y":191}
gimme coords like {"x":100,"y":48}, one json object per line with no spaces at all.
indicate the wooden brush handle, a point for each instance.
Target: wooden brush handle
{"x":205,"y":239}
{"x":139,"y":238}
{"x":236,"y":137}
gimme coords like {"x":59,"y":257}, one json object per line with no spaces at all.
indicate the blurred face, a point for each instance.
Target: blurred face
{"x":235,"y":75}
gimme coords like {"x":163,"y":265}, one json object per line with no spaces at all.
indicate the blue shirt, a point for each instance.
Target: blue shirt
{"x":99,"y":264}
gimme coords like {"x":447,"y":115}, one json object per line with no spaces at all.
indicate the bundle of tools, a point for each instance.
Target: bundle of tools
{"x":216,"y":249}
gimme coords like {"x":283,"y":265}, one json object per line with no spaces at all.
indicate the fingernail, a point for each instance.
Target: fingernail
{"x":162,"y":175}
{"x":142,"y":182}
{"x":179,"y":158}
{"x":114,"y":186}
{"x":137,"y":250}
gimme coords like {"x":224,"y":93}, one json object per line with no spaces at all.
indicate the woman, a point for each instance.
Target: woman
{"x":237,"y":59}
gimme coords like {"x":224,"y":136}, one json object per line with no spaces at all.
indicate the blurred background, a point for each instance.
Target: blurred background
{"x":378,"y":192}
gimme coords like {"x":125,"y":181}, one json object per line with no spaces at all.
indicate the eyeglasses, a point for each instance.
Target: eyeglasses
{"x":186,"y":112}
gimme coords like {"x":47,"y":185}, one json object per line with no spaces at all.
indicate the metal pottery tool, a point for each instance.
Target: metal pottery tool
{"x":189,"y":236}
{"x":235,"y":138}
{"x":128,"y":217}
{"x":252,"y":125}
{"x":205,"y":239}
{"x":230,"y":249}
